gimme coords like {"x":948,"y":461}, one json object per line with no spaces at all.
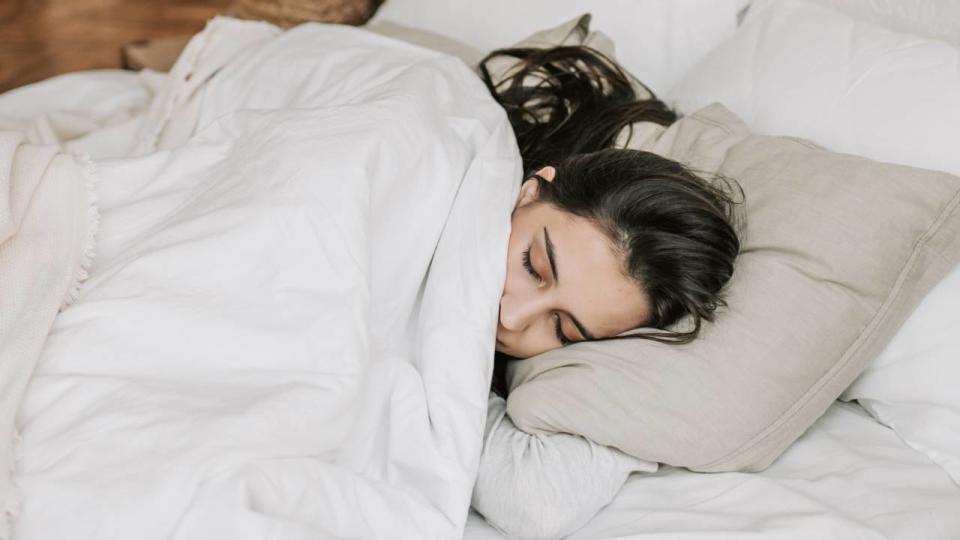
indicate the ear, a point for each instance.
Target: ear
{"x":530,"y":190}
{"x":548,"y":173}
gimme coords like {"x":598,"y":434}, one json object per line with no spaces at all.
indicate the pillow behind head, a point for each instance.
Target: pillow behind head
{"x":575,"y":31}
{"x":938,"y":19}
{"x":796,"y":68}
{"x":838,"y":252}
{"x":660,"y":40}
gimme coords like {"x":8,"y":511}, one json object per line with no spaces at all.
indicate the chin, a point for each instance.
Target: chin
{"x":503,"y":349}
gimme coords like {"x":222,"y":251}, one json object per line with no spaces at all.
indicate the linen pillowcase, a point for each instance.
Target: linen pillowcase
{"x":860,"y":88}
{"x":426,"y":39}
{"x":575,"y":31}
{"x":838,"y":251}
{"x":659,"y":40}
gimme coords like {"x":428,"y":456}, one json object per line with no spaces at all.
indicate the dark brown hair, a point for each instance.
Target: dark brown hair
{"x":568,"y":100}
{"x":677,"y":232}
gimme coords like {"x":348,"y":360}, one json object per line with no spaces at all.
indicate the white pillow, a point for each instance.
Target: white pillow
{"x":801,"y":69}
{"x":657,"y":40}
{"x":938,"y":19}
{"x":914,"y":385}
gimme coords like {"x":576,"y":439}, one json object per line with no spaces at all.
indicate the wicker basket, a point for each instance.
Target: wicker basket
{"x":288,"y":13}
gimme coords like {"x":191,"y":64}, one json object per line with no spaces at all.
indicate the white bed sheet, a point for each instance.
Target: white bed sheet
{"x":848,"y":477}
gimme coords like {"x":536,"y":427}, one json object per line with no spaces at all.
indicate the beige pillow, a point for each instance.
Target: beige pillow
{"x":838,"y":252}
{"x":576,"y":31}
{"x":426,"y":39}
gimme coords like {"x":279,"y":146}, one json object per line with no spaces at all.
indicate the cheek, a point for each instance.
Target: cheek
{"x":534,"y":340}
{"x":532,"y":345}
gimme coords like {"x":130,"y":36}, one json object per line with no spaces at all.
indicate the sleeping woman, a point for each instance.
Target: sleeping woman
{"x":604,"y":240}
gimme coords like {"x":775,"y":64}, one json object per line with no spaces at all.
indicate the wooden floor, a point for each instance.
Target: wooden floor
{"x":41,"y":38}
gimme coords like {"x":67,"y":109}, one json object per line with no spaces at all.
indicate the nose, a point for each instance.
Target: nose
{"x":514,"y":313}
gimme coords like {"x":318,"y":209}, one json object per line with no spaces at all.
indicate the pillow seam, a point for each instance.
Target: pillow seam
{"x":705,"y":119}
{"x":864,"y":338}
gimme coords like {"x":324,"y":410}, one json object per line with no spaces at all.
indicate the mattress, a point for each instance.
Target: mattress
{"x":847,"y":477}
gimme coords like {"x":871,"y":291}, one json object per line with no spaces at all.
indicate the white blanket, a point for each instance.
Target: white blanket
{"x":47,"y":224}
{"x":288,"y":330}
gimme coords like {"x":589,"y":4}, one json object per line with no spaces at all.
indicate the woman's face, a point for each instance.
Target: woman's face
{"x":565,"y":281}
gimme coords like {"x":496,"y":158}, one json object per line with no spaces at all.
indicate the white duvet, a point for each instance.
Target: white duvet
{"x":288,"y":329}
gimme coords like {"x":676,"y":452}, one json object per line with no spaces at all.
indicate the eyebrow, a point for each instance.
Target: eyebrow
{"x":553,"y":267}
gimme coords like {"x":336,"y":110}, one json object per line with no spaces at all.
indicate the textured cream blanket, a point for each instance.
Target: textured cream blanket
{"x":48,"y":219}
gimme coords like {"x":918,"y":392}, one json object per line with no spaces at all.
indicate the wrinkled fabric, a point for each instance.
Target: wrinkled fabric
{"x":48,"y":219}
{"x":288,"y":331}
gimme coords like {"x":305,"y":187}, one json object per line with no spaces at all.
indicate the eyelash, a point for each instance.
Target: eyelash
{"x":563,"y":339}
{"x":529,"y":266}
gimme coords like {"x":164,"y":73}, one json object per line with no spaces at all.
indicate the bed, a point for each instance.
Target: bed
{"x":858,"y":472}
{"x":848,"y":477}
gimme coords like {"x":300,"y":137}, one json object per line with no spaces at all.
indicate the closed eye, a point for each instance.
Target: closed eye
{"x":529,"y":266}
{"x":564,"y":340}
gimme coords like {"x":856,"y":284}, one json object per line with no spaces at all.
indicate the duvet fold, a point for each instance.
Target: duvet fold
{"x":48,"y":219}
{"x":288,"y":330}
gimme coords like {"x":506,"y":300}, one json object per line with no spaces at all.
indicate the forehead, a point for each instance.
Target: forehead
{"x":592,"y":284}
